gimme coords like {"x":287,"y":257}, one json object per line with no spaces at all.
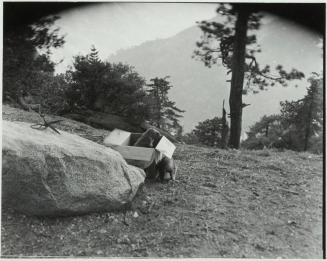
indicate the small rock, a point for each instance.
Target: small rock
{"x":271,"y":232}
{"x":124,"y":240}
{"x":135,"y":215}
{"x":99,"y":252}
{"x":291,"y":222}
{"x":260,"y":247}
{"x":81,"y":253}
{"x":103,"y":231}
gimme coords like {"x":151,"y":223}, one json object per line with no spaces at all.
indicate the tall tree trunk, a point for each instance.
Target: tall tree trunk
{"x":224,"y":134}
{"x":159,"y":109}
{"x":238,"y":62}
{"x":267,"y":129}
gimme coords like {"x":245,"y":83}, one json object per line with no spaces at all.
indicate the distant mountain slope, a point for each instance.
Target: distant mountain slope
{"x":200,"y":90}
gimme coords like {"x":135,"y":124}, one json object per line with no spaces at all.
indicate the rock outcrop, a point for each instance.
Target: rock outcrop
{"x":44,"y":173}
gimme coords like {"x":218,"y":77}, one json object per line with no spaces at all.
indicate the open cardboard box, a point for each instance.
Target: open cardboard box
{"x":141,"y":157}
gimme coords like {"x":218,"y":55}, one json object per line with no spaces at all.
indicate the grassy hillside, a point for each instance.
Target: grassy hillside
{"x":223,"y":204}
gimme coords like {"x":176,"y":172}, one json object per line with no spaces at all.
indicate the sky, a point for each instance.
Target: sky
{"x":114,"y":26}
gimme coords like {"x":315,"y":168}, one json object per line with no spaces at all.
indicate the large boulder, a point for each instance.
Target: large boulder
{"x":44,"y":173}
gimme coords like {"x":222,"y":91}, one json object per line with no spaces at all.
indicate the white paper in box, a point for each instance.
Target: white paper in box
{"x":118,"y":137}
{"x":166,"y":147}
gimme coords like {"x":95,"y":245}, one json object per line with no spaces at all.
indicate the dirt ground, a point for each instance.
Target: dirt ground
{"x":224,"y":203}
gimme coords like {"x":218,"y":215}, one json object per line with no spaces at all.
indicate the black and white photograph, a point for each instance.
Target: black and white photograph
{"x":163,"y":130}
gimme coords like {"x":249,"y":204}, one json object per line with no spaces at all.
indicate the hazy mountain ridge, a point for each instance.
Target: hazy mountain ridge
{"x":194,"y":85}
{"x":200,"y":90}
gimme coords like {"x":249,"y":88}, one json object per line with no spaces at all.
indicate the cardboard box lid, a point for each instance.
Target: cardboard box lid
{"x":135,"y":153}
{"x":119,"y":140}
{"x":118,"y":137}
{"x":166,"y":147}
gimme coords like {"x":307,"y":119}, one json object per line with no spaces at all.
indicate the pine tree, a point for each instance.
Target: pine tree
{"x":106,"y":87}
{"x":87,"y":77}
{"x":314,"y":116}
{"x":93,"y":57}
{"x":304,"y":117}
{"x":297,"y":127}
{"x":234,"y":43}
{"x":26,"y":55}
{"x":210,"y":132}
{"x":225,"y":128}
{"x":267,"y":132}
{"x":164,"y":113}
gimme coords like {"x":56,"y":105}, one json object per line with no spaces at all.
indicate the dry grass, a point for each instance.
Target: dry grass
{"x":223,"y":204}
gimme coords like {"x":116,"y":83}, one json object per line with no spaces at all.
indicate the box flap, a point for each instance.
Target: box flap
{"x":118,"y":137}
{"x":166,"y":147}
{"x":135,"y":153}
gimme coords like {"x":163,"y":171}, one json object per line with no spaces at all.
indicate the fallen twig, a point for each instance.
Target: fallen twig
{"x":124,"y":219}
{"x":290,"y":191}
{"x":207,"y":230}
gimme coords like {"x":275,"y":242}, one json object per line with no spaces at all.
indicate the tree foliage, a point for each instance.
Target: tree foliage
{"x":297,"y":127}
{"x":304,"y":117}
{"x":52,"y":94}
{"x":190,"y":138}
{"x":107,"y":87}
{"x":267,"y":132}
{"x":211,"y":132}
{"x":217,"y":41}
{"x":26,"y":51}
{"x":233,"y":42}
{"x":164,"y":113}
